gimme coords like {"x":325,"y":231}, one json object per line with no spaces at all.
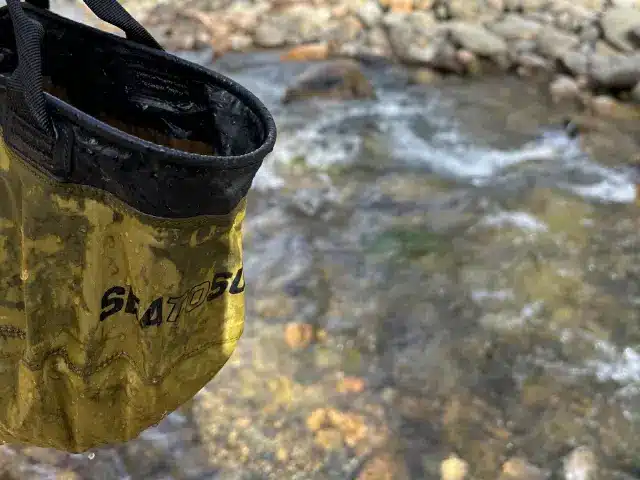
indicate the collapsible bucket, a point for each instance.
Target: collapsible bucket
{"x":123,"y":176}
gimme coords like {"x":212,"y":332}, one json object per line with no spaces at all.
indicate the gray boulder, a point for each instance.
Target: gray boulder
{"x":620,"y":26}
{"x":553,"y":43}
{"x":608,"y":71}
{"x":515,"y":27}
{"x":478,"y":39}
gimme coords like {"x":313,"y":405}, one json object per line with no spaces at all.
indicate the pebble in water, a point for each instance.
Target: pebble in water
{"x":581,"y":464}
{"x":520,"y":469}
{"x":453,"y":468}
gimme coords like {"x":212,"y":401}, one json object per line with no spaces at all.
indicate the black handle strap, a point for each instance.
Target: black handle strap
{"x":39,"y":3}
{"x":29,"y":34}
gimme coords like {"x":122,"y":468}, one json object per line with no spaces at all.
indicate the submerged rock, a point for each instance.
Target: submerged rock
{"x":298,"y":335}
{"x":453,"y":468}
{"x":581,"y":464}
{"x":424,"y":76}
{"x":385,"y":466}
{"x":564,"y":88}
{"x":520,"y":469}
{"x":339,"y":79}
{"x":610,"y":107}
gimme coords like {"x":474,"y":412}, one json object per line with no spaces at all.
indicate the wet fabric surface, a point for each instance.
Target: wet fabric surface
{"x":109,"y":319}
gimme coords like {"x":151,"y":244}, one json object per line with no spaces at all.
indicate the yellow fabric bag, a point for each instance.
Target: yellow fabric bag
{"x":123,"y":177}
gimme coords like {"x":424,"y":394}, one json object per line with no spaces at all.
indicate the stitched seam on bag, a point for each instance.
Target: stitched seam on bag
{"x":23,"y":148}
{"x":24,"y":145}
{"x":15,"y":130}
{"x":121,"y":207}
{"x":29,"y":135}
{"x":20,"y":146}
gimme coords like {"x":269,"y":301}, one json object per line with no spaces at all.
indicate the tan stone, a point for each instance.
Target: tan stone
{"x":298,"y":335}
{"x":308,"y":52}
{"x":453,"y":468}
{"x":351,"y":385}
{"x":401,"y":6}
{"x":329,"y":439}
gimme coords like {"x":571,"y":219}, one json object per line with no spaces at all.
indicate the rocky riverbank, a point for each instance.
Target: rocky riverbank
{"x":588,"y":50}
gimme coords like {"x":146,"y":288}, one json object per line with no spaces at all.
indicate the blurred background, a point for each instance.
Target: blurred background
{"x":442,"y":252}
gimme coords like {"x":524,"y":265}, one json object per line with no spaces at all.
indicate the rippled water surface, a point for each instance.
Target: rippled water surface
{"x":457,"y":275}
{"x":466,"y":258}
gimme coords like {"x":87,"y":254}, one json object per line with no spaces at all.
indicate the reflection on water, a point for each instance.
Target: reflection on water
{"x":438,"y":271}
